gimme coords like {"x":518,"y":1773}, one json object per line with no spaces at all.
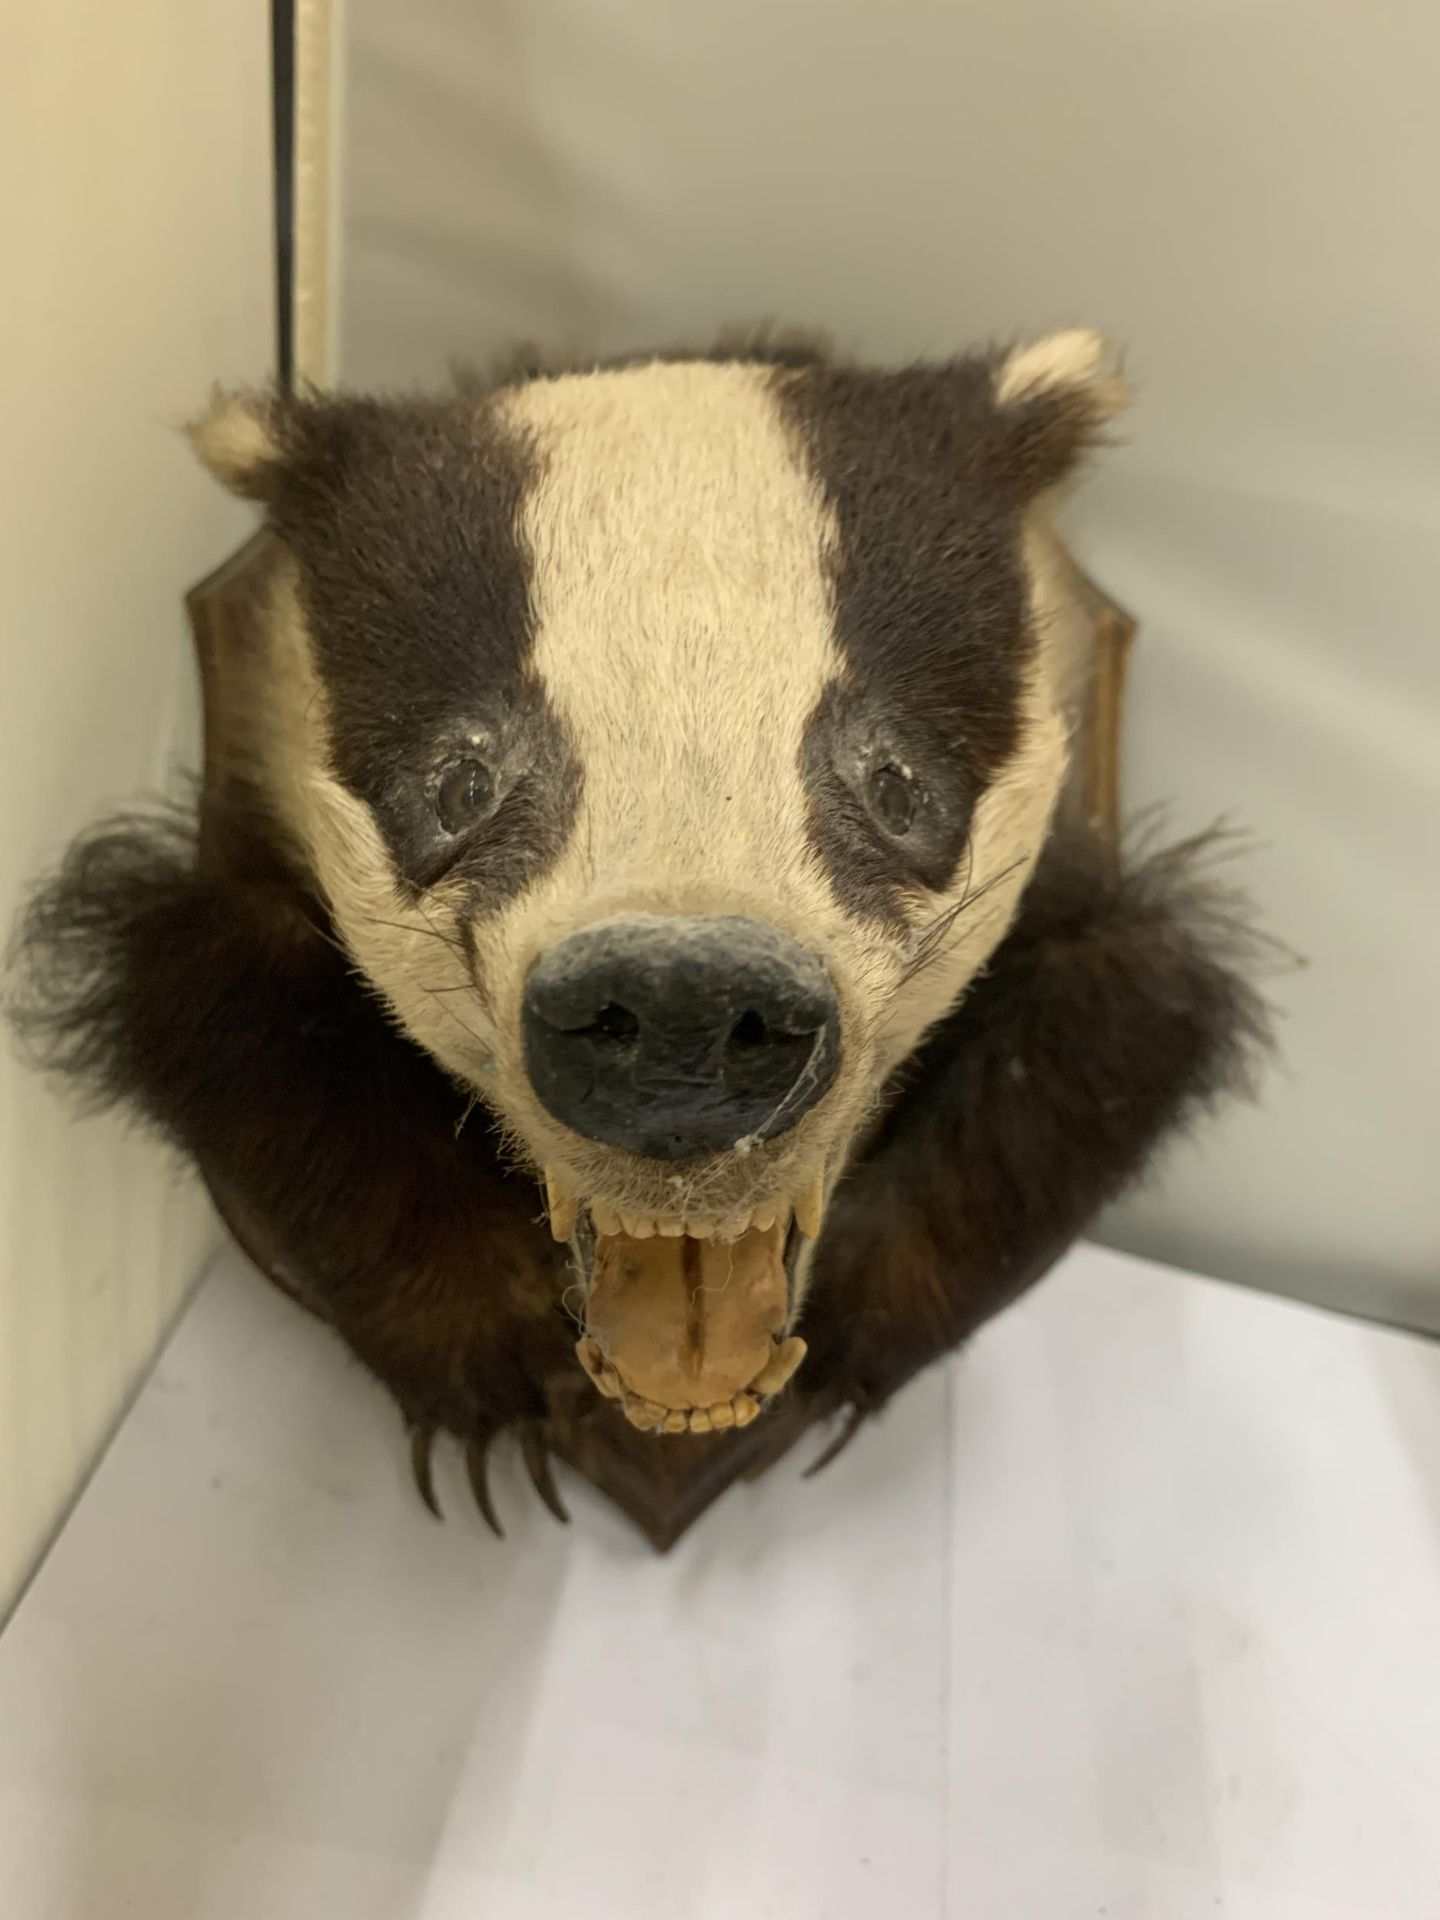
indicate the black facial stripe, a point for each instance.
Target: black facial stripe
{"x":878,"y":875}
{"x":536,"y":813}
{"x":405,"y":520}
{"x":930,"y":608}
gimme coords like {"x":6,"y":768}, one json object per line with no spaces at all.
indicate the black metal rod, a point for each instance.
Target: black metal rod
{"x":282,"y":85}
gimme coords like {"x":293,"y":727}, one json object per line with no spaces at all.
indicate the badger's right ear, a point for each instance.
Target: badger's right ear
{"x":240,"y":438}
{"x":1053,"y":399}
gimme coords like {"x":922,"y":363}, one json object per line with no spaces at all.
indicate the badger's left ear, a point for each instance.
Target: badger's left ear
{"x":1052,"y":401}
{"x":240,"y":437}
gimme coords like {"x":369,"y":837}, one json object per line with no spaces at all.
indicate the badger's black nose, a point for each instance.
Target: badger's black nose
{"x":674,"y":1037}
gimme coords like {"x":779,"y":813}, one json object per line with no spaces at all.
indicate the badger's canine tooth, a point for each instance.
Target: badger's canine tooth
{"x":562,"y":1204}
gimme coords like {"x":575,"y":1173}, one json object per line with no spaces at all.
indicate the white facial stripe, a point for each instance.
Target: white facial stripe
{"x":277,"y":719}
{"x":683,"y":622}
{"x":683,"y":635}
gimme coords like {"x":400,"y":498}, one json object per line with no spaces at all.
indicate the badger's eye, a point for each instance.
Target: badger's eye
{"x":890,"y":793}
{"x":463,"y":793}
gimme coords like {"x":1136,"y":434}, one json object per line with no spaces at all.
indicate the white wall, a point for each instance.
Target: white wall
{"x":1246,"y":190}
{"x":134,"y":171}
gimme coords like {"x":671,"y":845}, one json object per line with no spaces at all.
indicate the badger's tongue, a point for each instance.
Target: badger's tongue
{"x":686,"y":1333}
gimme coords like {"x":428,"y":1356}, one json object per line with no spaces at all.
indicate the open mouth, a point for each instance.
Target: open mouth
{"x":685,"y":1318}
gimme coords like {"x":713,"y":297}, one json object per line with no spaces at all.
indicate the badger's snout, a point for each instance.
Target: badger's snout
{"x":673,"y":1037}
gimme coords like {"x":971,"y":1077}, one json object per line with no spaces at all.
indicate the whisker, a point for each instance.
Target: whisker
{"x":459,"y":1022}
{"x":965,"y":889}
{"x":328,"y":938}
{"x":939,"y":925}
{"x":931,"y":941}
{"x":430,"y":933}
{"x":449,"y":941}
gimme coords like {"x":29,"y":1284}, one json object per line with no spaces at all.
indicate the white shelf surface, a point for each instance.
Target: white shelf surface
{"x":1132,"y":1611}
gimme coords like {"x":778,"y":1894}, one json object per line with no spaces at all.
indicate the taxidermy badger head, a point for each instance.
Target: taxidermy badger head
{"x":671,"y":743}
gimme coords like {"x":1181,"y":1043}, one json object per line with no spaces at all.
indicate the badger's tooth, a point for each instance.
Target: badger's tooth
{"x":607,"y":1220}
{"x":639,"y":1226}
{"x":672,"y":1229}
{"x":562,"y":1203}
{"x":761,"y":1219}
{"x":700,"y":1421}
{"x":722,"y":1416}
{"x":677,"y":1422}
{"x":645,"y":1414}
{"x":809,"y":1207}
{"x":785,"y":1357}
{"x":746,"y":1407}
{"x":592,"y":1358}
{"x":700,"y":1229}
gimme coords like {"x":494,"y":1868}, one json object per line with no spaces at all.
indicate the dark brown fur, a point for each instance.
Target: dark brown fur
{"x":1115,"y":1012}
{"x":221,"y":1013}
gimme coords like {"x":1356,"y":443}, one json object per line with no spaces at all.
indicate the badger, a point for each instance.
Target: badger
{"x":637,"y":954}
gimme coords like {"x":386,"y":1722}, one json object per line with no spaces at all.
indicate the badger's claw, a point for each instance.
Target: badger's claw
{"x":477,"y":1471}
{"x":422,"y":1440}
{"x":856,"y":1414}
{"x":537,"y":1464}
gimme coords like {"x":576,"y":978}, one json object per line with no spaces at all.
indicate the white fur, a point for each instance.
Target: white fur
{"x":1078,"y":358}
{"x":235,"y":440}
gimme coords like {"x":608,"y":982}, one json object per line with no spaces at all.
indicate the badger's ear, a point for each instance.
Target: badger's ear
{"x":240,"y":438}
{"x":1052,"y":401}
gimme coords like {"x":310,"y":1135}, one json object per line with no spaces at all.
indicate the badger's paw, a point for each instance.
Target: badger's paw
{"x":534,"y":1450}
